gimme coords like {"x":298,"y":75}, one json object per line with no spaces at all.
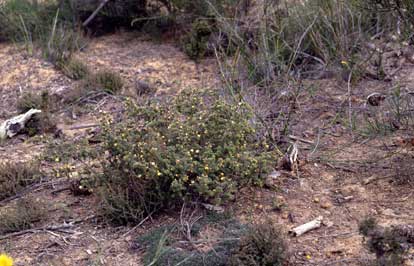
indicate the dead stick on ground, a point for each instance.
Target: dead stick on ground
{"x":47,"y":228}
{"x":301,"y":139}
{"x":304,"y":228}
{"x":93,"y":15}
{"x":27,"y":190}
{"x":138,"y":225}
{"x":83,"y":126}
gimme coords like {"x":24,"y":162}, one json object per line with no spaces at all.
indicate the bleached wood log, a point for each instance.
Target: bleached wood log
{"x":14,"y":125}
{"x":304,"y":228}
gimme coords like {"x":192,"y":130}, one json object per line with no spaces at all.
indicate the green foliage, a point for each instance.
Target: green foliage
{"x":195,"y":43}
{"x":66,"y":152}
{"x":15,"y":177}
{"x":74,"y":69}
{"x":49,"y":25}
{"x":107,"y":81}
{"x":25,"y":20}
{"x":394,"y":112}
{"x":43,"y":122}
{"x":21,"y":216}
{"x":388,"y":244}
{"x":163,"y":247}
{"x":189,"y":148}
{"x":264,"y":245}
{"x":29,"y":101}
{"x":367,"y":225}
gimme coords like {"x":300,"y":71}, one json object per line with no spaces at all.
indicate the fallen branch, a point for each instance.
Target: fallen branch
{"x":83,"y":126}
{"x":138,"y":225}
{"x":59,"y":228}
{"x":27,"y":190}
{"x":304,"y":228}
{"x":301,"y":139}
{"x":93,"y":15}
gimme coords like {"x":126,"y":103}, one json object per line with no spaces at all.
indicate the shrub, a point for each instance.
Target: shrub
{"x":28,"y":21}
{"x":105,"y":80}
{"x":189,"y":148}
{"x":163,"y":245}
{"x":264,"y":245}
{"x":40,"y":123}
{"x":74,"y":69}
{"x":29,"y":101}
{"x":388,"y":244}
{"x":66,"y":152}
{"x":196,"y":42}
{"x":14,"y":177}
{"x":22,"y":216}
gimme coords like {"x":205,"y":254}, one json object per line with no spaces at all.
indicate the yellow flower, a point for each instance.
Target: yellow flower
{"x":345,"y":63}
{"x":5,"y":260}
{"x":308,"y":257}
{"x":57,"y":159}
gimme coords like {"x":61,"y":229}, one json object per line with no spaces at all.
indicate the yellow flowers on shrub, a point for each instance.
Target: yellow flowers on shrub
{"x":5,"y":260}
{"x":180,"y":156}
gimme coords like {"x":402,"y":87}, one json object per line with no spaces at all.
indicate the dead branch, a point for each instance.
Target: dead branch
{"x":301,"y":139}
{"x":304,"y":228}
{"x":83,"y":126}
{"x":138,"y":225}
{"x":93,"y":15}
{"x":59,"y":228}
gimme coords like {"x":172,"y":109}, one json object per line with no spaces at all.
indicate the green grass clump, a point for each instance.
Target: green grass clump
{"x":263,"y":245}
{"x":107,"y":81}
{"x":192,"y":147}
{"x":21,"y":216}
{"x":40,"y":123}
{"x":74,"y":69}
{"x":389,"y":244}
{"x":195,"y":43}
{"x":15,"y":177}
{"x":163,"y":246}
{"x":31,"y":21}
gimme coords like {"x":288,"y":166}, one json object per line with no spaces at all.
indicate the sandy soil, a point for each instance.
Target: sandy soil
{"x":331,"y":180}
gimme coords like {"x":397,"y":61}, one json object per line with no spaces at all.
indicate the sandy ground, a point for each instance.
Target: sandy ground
{"x":330,"y":182}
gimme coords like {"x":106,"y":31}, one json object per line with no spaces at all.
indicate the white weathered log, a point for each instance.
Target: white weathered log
{"x":304,"y":228}
{"x":14,"y":125}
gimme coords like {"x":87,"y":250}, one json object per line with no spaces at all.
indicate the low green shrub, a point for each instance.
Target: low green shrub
{"x":29,"y":100}
{"x":21,"y":216}
{"x":105,"y":80}
{"x":29,"y":21}
{"x":15,"y":177}
{"x":195,"y":147}
{"x":40,"y":123}
{"x":163,"y":247}
{"x":264,"y":245}
{"x":68,"y":151}
{"x":389,"y":244}
{"x":196,"y":42}
{"x":74,"y":69}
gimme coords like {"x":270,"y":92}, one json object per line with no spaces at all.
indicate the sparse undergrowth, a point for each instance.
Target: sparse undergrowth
{"x":229,"y":243}
{"x":390,"y":245}
{"x":41,"y":123}
{"x":22,"y":216}
{"x":196,"y":147}
{"x":74,"y":69}
{"x":105,"y":80}
{"x":168,"y":246}
{"x":263,"y":245}
{"x":16,"y":176}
